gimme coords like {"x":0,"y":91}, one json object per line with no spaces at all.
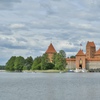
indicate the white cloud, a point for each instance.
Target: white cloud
{"x":28,"y":26}
{"x":16,"y":26}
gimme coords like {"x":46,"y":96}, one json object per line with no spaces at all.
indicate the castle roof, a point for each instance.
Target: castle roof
{"x":80,"y":53}
{"x":90,"y":44}
{"x":51,"y":49}
{"x":97,"y":52}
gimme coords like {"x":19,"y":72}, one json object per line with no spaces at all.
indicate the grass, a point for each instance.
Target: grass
{"x":46,"y":71}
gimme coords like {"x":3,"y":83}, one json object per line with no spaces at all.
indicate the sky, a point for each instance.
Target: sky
{"x":27,"y":27}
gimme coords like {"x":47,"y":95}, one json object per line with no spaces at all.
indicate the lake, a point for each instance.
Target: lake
{"x":49,"y":86}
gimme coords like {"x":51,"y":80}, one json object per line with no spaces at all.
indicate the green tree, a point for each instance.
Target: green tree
{"x":63,"y":59}
{"x":54,"y":58}
{"x":10,"y":64}
{"x":62,"y":53}
{"x":19,"y":63}
{"x":59,"y":59}
{"x":36,"y":63}
{"x":44,"y":61}
{"x":28,"y":63}
{"x":72,"y":56}
{"x":58,"y":64}
{"x":49,"y":65}
{"x":2,"y":67}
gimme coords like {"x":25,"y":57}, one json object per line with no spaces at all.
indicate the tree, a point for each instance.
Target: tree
{"x":19,"y":63}
{"x":44,"y":61}
{"x":49,"y":65}
{"x":54,"y":58}
{"x":58,"y":62}
{"x":63,"y":58}
{"x":72,"y":56}
{"x":36,"y":63}
{"x":28,"y":63}
{"x":62,"y":53}
{"x":2,"y":67}
{"x":10,"y":63}
{"x":59,"y":59}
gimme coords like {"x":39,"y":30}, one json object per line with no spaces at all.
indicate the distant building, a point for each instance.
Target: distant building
{"x":88,"y":60}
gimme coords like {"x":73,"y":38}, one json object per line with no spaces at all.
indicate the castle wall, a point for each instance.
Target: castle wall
{"x":92,"y":64}
{"x":71,"y":63}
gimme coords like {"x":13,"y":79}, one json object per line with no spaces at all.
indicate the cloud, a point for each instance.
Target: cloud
{"x":7,"y":5}
{"x":12,"y":43}
{"x":4,"y":30}
{"x":28,"y":26}
{"x":17,"y":26}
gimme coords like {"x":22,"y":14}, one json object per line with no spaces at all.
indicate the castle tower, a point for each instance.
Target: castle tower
{"x":50,"y":51}
{"x":80,"y":60}
{"x":90,"y":49}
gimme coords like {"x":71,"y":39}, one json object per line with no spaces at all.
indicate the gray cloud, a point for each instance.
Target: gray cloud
{"x":5,"y":30}
{"x":31,"y":25}
{"x":13,"y":43}
{"x":7,"y":5}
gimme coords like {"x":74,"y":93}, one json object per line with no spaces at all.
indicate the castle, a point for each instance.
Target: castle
{"x":88,"y":60}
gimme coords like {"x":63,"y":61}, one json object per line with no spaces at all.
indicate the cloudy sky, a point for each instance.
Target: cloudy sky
{"x":27,"y":27}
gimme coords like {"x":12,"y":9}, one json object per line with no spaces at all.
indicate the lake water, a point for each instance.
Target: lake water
{"x":49,"y":86}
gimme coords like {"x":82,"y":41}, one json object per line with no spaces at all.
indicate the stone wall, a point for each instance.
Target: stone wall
{"x":92,"y":64}
{"x":71,"y":65}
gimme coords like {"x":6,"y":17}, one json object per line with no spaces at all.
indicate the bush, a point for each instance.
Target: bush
{"x":50,"y":66}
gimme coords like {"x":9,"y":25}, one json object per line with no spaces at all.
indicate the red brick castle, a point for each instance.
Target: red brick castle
{"x":88,"y":60}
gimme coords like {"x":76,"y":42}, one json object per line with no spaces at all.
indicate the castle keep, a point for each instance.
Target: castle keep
{"x":88,"y":60}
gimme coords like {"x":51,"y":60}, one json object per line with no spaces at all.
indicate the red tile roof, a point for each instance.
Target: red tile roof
{"x":80,"y":53}
{"x":51,"y":49}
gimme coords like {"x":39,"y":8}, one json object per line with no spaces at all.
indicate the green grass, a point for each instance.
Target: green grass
{"x":46,"y":71}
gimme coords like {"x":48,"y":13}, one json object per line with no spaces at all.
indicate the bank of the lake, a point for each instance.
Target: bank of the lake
{"x":46,"y":71}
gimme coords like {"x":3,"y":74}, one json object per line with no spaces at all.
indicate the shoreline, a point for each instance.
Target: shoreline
{"x":44,"y":71}
{"x":38,"y":71}
{"x":2,"y":70}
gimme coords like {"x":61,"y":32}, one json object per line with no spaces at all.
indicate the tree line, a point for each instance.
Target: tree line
{"x":2,"y":67}
{"x":39,"y":63}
